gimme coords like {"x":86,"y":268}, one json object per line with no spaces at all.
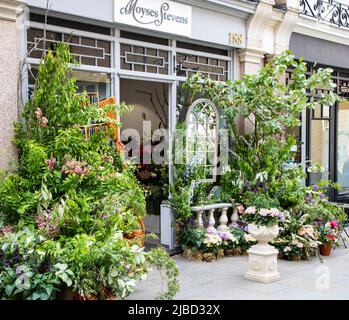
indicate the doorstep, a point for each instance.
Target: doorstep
{"x":152,"y":244}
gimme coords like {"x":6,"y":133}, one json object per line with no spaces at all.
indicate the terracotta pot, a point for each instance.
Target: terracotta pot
{"x":325,"y":249}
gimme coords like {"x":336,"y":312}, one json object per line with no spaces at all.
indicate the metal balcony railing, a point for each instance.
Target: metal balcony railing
{"x":331,"y":11}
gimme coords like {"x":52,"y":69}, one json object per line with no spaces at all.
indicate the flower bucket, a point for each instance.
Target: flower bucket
{"x":325,"y":250}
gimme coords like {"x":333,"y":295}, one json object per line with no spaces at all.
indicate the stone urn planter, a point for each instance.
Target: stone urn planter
{"x":262,"y":265}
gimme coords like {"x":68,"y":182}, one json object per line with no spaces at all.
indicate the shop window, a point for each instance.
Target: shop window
{"x":343,"y":147}
{"x":143,"y":59}
{"x":320,"y":143}
{"x":87,"y":51}
{"x":96,"y":85}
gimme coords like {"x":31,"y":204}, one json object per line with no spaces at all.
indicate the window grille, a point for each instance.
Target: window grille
{"x":142,"y":59}
{"x":87,"y":51}
{"x":216,"y":69}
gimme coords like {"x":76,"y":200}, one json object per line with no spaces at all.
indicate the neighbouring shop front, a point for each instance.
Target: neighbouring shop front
{"x":140,"y":53}
{"x":325,"y":133}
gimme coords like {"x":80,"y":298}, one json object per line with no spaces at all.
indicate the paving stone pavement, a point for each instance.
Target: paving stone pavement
{"x":224,"y":280}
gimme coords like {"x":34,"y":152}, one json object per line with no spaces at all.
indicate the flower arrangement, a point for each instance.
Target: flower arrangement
{"x":199,"y":244}
{"x":262,"y":217}
{"x":329,"y":233}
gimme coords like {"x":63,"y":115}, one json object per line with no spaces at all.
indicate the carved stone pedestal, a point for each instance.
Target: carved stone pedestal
{"x":262,"y":265}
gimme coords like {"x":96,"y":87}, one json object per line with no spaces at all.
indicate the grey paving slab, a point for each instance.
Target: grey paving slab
{"x":224,"y":280}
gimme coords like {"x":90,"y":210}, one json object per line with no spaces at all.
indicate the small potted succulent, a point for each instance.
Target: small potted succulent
{"x":328,"y":237}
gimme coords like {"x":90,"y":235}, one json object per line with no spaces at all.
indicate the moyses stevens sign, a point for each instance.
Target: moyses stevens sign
{"x":160,"y":15}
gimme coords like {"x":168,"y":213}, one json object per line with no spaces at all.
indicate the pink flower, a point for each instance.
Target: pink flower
{"x":241,"y":209}
{"x":334,"y":224}
{"x":4,"y":231}
{"x":274,"y":212}
{"x":38,"y":113}
{"x":74,"y":166}
{"x":51,"y":163}
{"x":44,"y":122}
{"x":264,"y":212}
{"x":250,"y":210}
{"x":331,"y":237}
{"x":45,"y":223}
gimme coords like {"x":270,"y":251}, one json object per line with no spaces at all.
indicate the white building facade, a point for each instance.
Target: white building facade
{"x":129,"y":48}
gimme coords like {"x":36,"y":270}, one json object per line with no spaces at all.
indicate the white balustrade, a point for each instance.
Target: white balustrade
{"x":209,"y":210}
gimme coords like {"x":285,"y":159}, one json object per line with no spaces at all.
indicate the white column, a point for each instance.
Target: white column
{"x":199,"y":222}
{"x":211,"y":221}
{"x":223,"y":221}
{"x":235,"y":215}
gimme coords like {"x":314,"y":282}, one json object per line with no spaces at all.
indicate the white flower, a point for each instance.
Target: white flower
{"x":212,"y":239}
{"x":249,"y":238}
{"x":250,"y":210}
{"x":314,"y":244}
{"x":287,"y":249}
{"x":300,"y":245}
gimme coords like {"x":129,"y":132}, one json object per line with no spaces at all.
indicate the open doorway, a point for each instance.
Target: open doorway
{"x":149,"y":117}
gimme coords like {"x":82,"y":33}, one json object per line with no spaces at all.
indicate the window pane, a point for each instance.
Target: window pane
{"x":319,"y":148}
{"x":92,"y":82}
{"x":343,"y":146}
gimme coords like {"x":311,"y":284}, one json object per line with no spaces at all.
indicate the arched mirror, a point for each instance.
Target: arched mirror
{"x":202,"y":139}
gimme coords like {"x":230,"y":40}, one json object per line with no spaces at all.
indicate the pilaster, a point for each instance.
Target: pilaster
{"x":9,"y":77}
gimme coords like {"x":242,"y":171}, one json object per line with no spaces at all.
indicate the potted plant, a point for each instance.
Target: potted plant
{"x":328,"y":237}
{"x":263,"y":225}
{"x":230,"y":243}
{"x":212,"y":246}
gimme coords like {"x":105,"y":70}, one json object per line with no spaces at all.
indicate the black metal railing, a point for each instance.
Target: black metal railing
{"x":331,"y":11}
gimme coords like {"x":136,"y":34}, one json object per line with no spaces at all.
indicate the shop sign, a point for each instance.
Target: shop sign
{"x":158,"y":15}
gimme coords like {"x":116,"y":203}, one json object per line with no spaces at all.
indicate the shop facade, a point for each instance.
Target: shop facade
{"x":140,"y":51}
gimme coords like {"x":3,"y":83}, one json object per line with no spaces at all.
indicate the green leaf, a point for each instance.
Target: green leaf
{"x":9,"y":290}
